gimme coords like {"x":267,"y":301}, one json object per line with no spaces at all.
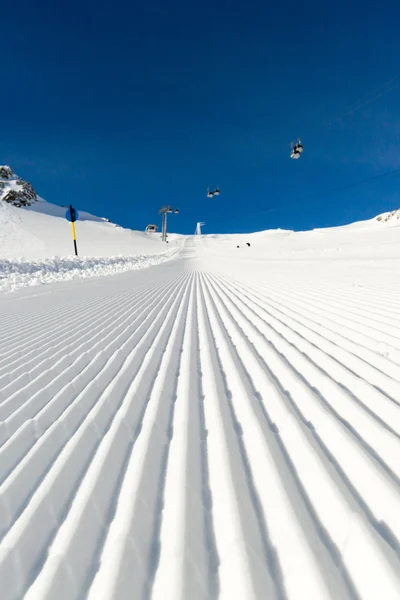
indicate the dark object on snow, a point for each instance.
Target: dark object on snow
{"x":248,"y":244}
{"x":237,"y":246}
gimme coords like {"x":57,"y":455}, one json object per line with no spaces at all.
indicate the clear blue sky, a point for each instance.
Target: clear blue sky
{"x":123,"y":106}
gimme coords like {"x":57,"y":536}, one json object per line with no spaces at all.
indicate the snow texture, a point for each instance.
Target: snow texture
{"x":224,"y":425}
{"x":20,"y":272}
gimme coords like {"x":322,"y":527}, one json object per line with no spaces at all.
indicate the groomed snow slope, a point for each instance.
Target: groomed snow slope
{"x":222,"y":426}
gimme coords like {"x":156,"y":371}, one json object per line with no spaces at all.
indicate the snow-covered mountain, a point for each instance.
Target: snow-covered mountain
{"x":15,"y":190}
{"x":32,"y":228}
{"x":34,"y":233}
{"x":36,"y":244}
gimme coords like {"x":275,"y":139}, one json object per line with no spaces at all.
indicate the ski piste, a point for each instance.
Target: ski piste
{"x":224,"y":424}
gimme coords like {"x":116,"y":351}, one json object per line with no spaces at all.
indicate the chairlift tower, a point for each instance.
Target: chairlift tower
{"x":164,"y":211}
{"x":198,"y":228}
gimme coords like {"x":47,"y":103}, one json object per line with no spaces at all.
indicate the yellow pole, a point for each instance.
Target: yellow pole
{"x":73,"y":215}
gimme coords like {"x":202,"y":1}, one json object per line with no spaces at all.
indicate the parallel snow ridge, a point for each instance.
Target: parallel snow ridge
{"x":17,"y":273}
{"x":198,"y":438}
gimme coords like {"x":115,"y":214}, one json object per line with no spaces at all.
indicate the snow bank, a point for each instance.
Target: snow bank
{"x":33,"y":234}
{"x":19,"y":273}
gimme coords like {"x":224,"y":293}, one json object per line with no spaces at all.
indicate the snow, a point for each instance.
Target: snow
{"x":42,"y":231}
{"x":21,"y":273}
{"x":224,"y":424}
{"x":36,"y":246}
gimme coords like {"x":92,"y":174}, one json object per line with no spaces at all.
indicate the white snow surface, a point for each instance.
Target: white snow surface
{"x":36,"y":246}
{"x":224,"y":425}
{"x":19,"y":273}
{"x":42,"y":231}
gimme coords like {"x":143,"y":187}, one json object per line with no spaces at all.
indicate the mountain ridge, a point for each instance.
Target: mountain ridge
{"x":15,"y":190}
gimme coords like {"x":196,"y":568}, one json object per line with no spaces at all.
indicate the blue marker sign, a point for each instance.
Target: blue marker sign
{"x":75,"y":215}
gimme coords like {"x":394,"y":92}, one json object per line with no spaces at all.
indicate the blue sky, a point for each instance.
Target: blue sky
{"x":122,"y":107}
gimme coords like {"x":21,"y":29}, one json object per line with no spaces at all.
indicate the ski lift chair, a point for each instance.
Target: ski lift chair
{"x":297,"y":149}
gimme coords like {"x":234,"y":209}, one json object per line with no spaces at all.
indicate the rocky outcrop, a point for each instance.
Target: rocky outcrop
{"x":14,"y":190}
{"x":6,"y":172}
{"x":394,"y":214}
